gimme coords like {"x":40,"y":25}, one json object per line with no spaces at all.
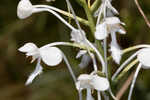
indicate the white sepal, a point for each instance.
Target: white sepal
{"x":100,"y":83}
{"x":28,"y":47}
{"x":36,"y":72}
{"x":112,"y":20}
{"x":144,"y":57}
{"x":51,"y":56}
{"x":24,"y":9}
{"x":83,"y":82}
{"x":101,"y":31}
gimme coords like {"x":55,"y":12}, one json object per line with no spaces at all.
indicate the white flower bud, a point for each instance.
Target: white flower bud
{"x":24,"y":9}
{"x":144,"y":57}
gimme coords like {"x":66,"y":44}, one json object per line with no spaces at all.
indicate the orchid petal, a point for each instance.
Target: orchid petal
{"x":144,"y":57}
{"x":116,"y":52}
{"x":84,"y":77}
{"x":37,"y":71}
{"x":85,"y":61}
{"x":51,"y":56}
{"x":101,"y":31}
{"x":78,"y":86}
{"x":83,"y":82}
{"x":112,"y":20}
{"x":122,"y":31}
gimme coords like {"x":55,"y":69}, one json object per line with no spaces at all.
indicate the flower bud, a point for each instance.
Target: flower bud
{"x":24,"y":9}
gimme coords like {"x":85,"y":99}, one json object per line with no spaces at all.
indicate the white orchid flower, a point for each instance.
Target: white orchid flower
{"x":26,"y":9}
{"x":143,"y":56}
{"x":78,"y":36}
{"x":111,"y":25}
{"x":49,"y":54}
{"x":90,"y":82}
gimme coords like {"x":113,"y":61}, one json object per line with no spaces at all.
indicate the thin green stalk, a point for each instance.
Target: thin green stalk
{"x":91,"y":24}
{"x":81,"y":20}
{"x":89,"y":17}
{"x":126,"y":69}
{"x":95,"y":6}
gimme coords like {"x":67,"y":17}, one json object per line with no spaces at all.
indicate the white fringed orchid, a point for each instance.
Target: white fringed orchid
{"x":26,"y":9}
{"x":111,"y":25}
{"x":51,"y":56}
{"x":90,"y":82}
{"x":143,"y":56}
{"x":108,"y":26}
{"x":78,"y":36}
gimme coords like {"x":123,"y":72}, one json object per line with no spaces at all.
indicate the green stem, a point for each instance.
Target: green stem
{"x":126,"y":69}
{"x":89,"y":17}
{"x":92,"y":25}
{"x":91,"y":22}
{"x":95,"y":6}
{"x":81,"y":20}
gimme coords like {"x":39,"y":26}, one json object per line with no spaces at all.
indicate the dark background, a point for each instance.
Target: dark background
{"x":43,"y":28}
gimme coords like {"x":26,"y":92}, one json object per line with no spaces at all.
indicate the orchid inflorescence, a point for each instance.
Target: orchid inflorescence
{"x":106,"y":24}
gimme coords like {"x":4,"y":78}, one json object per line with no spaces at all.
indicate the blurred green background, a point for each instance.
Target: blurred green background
{"x":43,"y":28}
